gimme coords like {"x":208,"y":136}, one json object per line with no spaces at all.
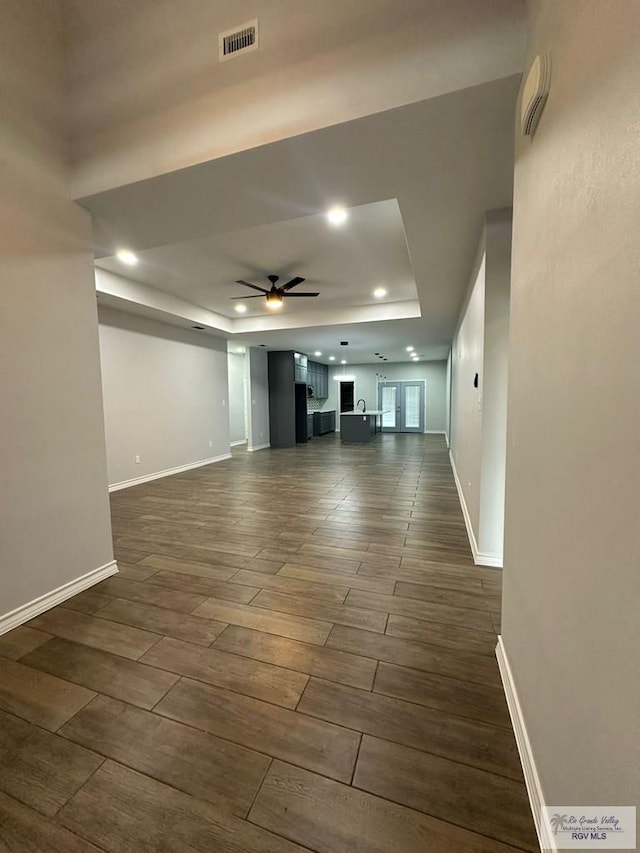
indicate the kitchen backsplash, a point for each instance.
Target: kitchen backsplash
{"x":315,"y":404}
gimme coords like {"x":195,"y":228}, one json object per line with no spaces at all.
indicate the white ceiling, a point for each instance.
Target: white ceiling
{"x":344,"y":263}
{"x":445,"y":160}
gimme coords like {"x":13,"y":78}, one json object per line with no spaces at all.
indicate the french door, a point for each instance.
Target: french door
{"x":402,"y":404}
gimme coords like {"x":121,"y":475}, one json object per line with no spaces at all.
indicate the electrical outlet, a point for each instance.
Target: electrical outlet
{"x":210,"y":444}
{"x":137,"y":460}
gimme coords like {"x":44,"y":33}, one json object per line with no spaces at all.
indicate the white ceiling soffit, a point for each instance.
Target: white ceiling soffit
{"x":343,"y":264}
{"x":445,"y":160}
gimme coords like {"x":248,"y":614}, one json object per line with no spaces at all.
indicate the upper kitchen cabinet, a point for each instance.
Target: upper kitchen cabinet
{"x":318,"y":379}
{"x":300,"y":367}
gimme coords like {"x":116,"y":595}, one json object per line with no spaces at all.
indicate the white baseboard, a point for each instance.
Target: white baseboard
{"x":480,"y":558}
{"x":435,"y":432}
{"x":492,"y":560}
{"x":147,"y":478}
{"x":531,"y":778}
{"x":238,"y":443}
{"x":56,"y":596}
{"x":253,"y":448}
{"x":465,"y":511}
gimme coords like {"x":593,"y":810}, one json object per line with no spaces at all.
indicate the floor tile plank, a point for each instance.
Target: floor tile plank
{"x":103,"y":672}
{"x":38,"y":697}
{"x":477,"y":701}
{"x":282,"y":624}
{"x":458,"y":738}
{"x":241,"y":674}
{"x":430,"y":658}
{"x":280,"y":733}
{"x":332,"y":818}
{"x":441,"y":788}
{"x":342,"y":614}
{"x":127,"y":812}
{"x":304,"y":657}
{"x":43,"y":770}
{"x":197,"y":763}
{"x":97,"y":632}
{"x":23,"y":830}
{"x":21,"y":640}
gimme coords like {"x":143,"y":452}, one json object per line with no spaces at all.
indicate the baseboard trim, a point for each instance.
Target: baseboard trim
{"x":480,"y":558}
{"x":238,"y":443}
{"x":255,"y":447}
{"x":465,"y":512}
{"x":435,"y":432}
{"x":56,"y":596}
{"x":529,"y":769}
{"x":491,"y":560}
{"x":147,"y":478}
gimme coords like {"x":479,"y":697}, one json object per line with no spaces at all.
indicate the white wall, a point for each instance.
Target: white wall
{"x":466,"y":400}
{"x":238,"y":390}
{"x":54,"y":523}
{"x":365,"y":386}
{"x":571,"y":624}
{"x":258,"y":396}
{"x":165,"y":396}
{"x":495,"y":374}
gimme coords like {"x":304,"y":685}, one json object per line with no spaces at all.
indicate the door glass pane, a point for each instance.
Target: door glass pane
{"x":389,"y":405}
{"x":412,"y":407}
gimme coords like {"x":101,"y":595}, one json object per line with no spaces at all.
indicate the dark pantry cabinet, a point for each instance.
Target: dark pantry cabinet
{"x":287,"y":398}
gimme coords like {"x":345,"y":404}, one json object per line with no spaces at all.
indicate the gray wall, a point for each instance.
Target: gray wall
{"x":432,"y":372}
{"x":165,"y":395}
{"x":571,"y":627}
{"x":237,"y":363}
{"x":479,"y":415}
{"x":54,"y":523}
{"x":466,"y":400}
{"x":495,"y":374}
{"x":258,"y":412}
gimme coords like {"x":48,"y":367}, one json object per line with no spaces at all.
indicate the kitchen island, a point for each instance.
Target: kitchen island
{"x":360,"y":427}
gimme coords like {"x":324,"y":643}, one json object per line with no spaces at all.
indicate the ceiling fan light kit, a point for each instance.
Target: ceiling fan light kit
{"x":275,"y":296}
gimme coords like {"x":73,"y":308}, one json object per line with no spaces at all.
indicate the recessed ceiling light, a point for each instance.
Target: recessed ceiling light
{"x":344,"y":361}
{"x":337,"y":215}
{"x":410,"y":349}
{"x":379,"y":292}
{"x":415,"y":358}
{"x":317,"y":353}
{"x":127,"y":257}
{"x":332,"y":358}
{"x":241,"y":308}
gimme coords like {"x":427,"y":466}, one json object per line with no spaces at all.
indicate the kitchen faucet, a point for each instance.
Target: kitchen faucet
{"x":364,"y":405}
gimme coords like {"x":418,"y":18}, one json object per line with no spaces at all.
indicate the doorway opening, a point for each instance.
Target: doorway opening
{"x":346,"y":396}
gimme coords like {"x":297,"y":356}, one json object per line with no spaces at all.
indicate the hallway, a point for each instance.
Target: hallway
{"x":297,"y":654}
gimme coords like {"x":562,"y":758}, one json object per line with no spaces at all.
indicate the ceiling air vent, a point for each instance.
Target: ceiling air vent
{"x":239,"y":40}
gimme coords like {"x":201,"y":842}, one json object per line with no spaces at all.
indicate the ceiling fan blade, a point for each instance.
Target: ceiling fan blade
{"x":257,"y":296}
{"x":291,"y":295}
{"x":293,"y":283}
{"x":254,"y":286}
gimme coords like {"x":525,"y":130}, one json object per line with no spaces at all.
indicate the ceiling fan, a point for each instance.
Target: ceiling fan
{"x":275,"y":295}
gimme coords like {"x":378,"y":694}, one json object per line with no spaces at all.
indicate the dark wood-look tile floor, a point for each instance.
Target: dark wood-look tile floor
{"x":297,"y":655}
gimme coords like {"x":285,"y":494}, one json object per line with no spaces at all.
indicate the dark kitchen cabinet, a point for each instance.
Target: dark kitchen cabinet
{"x":324,"y":422}
{"x":300,"y":367}
{"x":318,"y":379}
{"x":287,"y":398}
